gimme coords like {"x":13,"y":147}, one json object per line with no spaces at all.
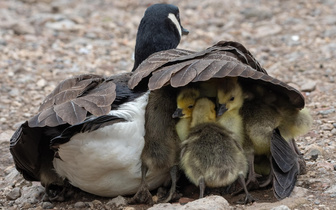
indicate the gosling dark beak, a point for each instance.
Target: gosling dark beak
{"x":184,"y":31}
{"x":178,"y":113}
{"x":221,"y":109}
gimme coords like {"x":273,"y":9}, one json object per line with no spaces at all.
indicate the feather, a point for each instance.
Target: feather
{"x":86,"y":126}
{"x":284,"y":165}
{"x":282,"y":153}
{"x":283,"y":183}
{"x":159,"y":79}
{"x":73,"y":98}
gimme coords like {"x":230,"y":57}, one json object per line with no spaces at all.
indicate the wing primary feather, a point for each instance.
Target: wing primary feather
{"x":87,"y":126}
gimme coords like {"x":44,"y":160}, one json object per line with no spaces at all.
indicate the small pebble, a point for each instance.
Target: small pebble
{"x":14,"y":194}
{"x":118,"y":201}
{"x":47,"y":205}
{"x":282,"y":207}
{"x":80,"y":204}
{"x":326,"y":112}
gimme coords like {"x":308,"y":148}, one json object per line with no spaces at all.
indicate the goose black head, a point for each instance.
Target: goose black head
{"x":160,"y":29}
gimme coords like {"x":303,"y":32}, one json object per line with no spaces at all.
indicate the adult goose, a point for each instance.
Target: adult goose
{"x":168,"y":71}
{"x":95,"y":124}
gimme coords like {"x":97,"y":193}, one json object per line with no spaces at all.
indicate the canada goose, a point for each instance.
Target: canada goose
{"x":211,"y":156}
{"x":178,"y":68}
{"x":97,"y":149}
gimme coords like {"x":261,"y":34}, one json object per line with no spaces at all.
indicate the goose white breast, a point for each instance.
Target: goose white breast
{"x":106,"y":161}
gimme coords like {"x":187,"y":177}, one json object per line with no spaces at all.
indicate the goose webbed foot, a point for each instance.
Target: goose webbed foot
{"x":56,"y":192}
{"x":252,"y":183}
{"x":142,"y":196}
{"x":248,"y":197}
{"x":266,"y":182}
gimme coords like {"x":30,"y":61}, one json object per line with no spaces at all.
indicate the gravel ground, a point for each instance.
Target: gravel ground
{"x":43,"y":42}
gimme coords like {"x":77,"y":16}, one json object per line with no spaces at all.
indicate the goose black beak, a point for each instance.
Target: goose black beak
{"x":178,"y":113}
{"x":221,"y":109}
{"x":184,"y":31}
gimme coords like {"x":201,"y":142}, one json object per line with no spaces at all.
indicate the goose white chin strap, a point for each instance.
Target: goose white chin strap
{"x":173,"y":18}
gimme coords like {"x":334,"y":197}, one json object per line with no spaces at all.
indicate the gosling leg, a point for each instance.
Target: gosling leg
{"x":202,"y":187}
{"x":173,"y":175}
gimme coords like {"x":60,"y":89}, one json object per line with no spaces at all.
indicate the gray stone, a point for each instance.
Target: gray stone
{"x":118,"y":201}
{"x":267,"y":30}
{"x":14,"y":194}
{"x":22,"y":28}
{"x":211,"y":202}
{"x":47,"y":205}
{"x":80,"y":204}
{"x":64,"y":25}
{"x":31,"y":194}
{"x":313,"y":152}
{"x":299,"y":192}
{"x":282,"y":207}
{"x":326,"y":112}
{"x":327,"y":127}
{"x":331,"y":190}
{"x":308,"y":86}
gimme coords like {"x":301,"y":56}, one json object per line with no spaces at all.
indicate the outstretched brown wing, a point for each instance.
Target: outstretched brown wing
{"x":73,"y":98}
{"x":225,"y":59}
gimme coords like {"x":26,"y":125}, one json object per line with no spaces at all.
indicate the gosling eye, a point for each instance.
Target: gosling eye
{"x":190,"y":106}
{"x":232,"y":98}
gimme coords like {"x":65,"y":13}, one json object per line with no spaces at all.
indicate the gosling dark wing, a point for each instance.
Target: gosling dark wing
{"x":73,"y":98}
{"x":284,"y":165}
{"x":178,"y":68}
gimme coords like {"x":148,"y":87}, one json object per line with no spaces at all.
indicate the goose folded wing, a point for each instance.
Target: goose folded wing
{"x":26,"y":147}
{"x":88,"y":125}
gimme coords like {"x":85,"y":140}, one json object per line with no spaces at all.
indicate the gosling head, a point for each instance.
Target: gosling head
{"x":186,"y":100}
{"x":204,"y":112}
{"x":229,"y":95}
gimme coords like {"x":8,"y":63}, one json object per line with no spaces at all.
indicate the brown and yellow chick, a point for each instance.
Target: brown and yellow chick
{"x":186,"y":100}
{"x":230,"y":100}
{"x":211,"y":156}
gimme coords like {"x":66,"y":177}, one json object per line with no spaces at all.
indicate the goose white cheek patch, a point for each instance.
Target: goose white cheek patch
{"x":173,"y":18}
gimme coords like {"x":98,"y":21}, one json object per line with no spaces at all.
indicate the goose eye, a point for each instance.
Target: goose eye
{"x":190,"y":106}
{"x":232,"y":98}
{"x":178,"y":16}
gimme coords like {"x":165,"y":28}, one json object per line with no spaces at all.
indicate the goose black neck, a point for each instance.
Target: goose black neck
{"x":156,"y":33}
